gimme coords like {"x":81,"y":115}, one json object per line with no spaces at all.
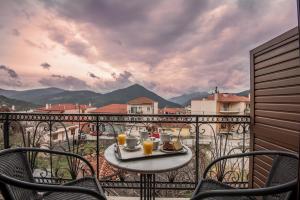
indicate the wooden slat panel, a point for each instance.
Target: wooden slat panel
{"x":278,"y":75}
{"x":278,"y":91}
{"x":278,"y":136}
{"x":279,"y":115}
{"x":275,"y":41}
{"x":278,"y":45}
{"x":278,"y":123}
{"x":290,"y":99}
{"x":270,"y":145}
{"x":278,"y":67}
{"x":259,"y":175}
{"x":261,"y":183}
{"x":279,"y":83}
{"x":275,"y":100}
{"x":263,"y":164}
{"x":278,"y":51}
{"x":284,"y":57}
{"x":278,"y":107}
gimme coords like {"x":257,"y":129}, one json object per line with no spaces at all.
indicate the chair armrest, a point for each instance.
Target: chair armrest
{"x":254,"y":153}
{"x":27,"y":149}
{"x":51,"y":188}
{"x":248,"y":192}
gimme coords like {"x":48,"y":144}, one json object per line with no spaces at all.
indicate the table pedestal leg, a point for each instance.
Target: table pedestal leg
{"x":147,"y":187}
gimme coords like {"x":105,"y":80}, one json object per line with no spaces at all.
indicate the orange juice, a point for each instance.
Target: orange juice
{"x":121,"y":139}
{"x":148,"y":146}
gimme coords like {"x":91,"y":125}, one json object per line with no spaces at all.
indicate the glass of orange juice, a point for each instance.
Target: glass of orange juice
{"x":148,"y":147}
{"x":121,"y":138}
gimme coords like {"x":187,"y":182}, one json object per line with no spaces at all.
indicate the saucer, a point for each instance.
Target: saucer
{"x":136,"y":148}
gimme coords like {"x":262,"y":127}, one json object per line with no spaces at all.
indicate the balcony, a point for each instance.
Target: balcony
{"x":201,"y":136}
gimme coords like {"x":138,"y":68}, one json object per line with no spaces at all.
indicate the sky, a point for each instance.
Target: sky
{"x":171,"y":47}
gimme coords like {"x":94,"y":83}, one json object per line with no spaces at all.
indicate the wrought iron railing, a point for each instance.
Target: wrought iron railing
{"x":209,"y":137}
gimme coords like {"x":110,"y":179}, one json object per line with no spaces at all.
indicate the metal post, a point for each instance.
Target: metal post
{"x":298,"y":15}
{"x":197,"y":151}
{"x":97,"y":147}
{"x":6,"y":132}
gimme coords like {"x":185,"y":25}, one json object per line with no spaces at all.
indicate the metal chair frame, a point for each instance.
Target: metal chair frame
{"x":6,"y":181}
{"x":288,"y":187}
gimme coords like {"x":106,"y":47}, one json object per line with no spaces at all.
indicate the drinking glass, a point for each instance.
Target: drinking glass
{"x":121,"y":139}
{"x":148,"y":147}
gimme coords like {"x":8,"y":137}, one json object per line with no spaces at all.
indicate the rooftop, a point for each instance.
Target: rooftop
{"x":141,"y":101}
{"x":112,"y":109}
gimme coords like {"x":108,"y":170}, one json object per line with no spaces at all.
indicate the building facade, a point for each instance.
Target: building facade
{"x":142,"y":105}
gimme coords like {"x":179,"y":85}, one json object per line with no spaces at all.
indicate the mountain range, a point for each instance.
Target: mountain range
{"x":19,"y":105}
{"x":39,"y":97}
{"x":56,"y":95}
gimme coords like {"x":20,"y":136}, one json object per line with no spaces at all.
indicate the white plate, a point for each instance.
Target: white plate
{"x":167,"y":151}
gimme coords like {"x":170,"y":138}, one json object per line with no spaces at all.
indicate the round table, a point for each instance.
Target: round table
{"x":148,"y":167}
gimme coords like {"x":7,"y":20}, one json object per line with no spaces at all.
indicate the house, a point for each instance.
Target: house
{"x":142,"y":105}
{"x":67,"y":108}
{"x":221,"y":103}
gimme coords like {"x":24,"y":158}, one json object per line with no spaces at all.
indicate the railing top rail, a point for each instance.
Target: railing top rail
{"x":93,"y":117}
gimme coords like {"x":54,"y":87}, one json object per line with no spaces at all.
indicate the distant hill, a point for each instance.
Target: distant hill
{"x":19,"y":105}
{"x":7,"y":93}
{"x":185,"y":99}
{"x":243,"y":93}
{"x":56,"y":95}
{"x":131,"y":92}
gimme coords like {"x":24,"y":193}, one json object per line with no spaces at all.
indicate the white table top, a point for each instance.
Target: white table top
{"x":149,"y":166}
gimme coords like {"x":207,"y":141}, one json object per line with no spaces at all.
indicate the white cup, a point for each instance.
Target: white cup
{"x":165,"y":137}
{"x":132,"y":142}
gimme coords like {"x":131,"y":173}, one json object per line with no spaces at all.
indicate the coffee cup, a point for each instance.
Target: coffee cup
{"x":144,"y":135}
{"x":165,"y":137}
{"x":132,"y":142}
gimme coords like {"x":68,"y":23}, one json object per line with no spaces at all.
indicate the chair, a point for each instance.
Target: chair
{"x":280,"y":184}
{"x":17,"y":182}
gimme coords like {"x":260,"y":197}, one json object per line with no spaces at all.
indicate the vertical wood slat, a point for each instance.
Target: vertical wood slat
{"x":275,"y":100}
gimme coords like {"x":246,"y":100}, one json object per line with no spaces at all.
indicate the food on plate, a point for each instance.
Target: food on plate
{"x":174,"y":145}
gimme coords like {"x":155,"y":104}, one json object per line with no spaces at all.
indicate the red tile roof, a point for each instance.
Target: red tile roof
{"x":105,"y":169}
{"x":141,"y":101}
{"x":112,"y":108}
{"x":62,"y":107}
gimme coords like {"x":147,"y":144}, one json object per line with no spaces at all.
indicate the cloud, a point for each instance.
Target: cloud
{"x":45,"y":65}
{"x":10,"y":72}
{"x":117,"y":81}
{"x":66,"y":82}
{"x":10,"y":77}
{"x":15,"y":32}
{"x":92,"y":75}
{"x":70,"y":40}
{"x":172,"y":47}
{"x":41,"y":45}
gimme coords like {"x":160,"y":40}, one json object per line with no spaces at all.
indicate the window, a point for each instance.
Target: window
{"x":133,"y":110}
{"x":226,"y":106}
{"x":148,"y":109}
